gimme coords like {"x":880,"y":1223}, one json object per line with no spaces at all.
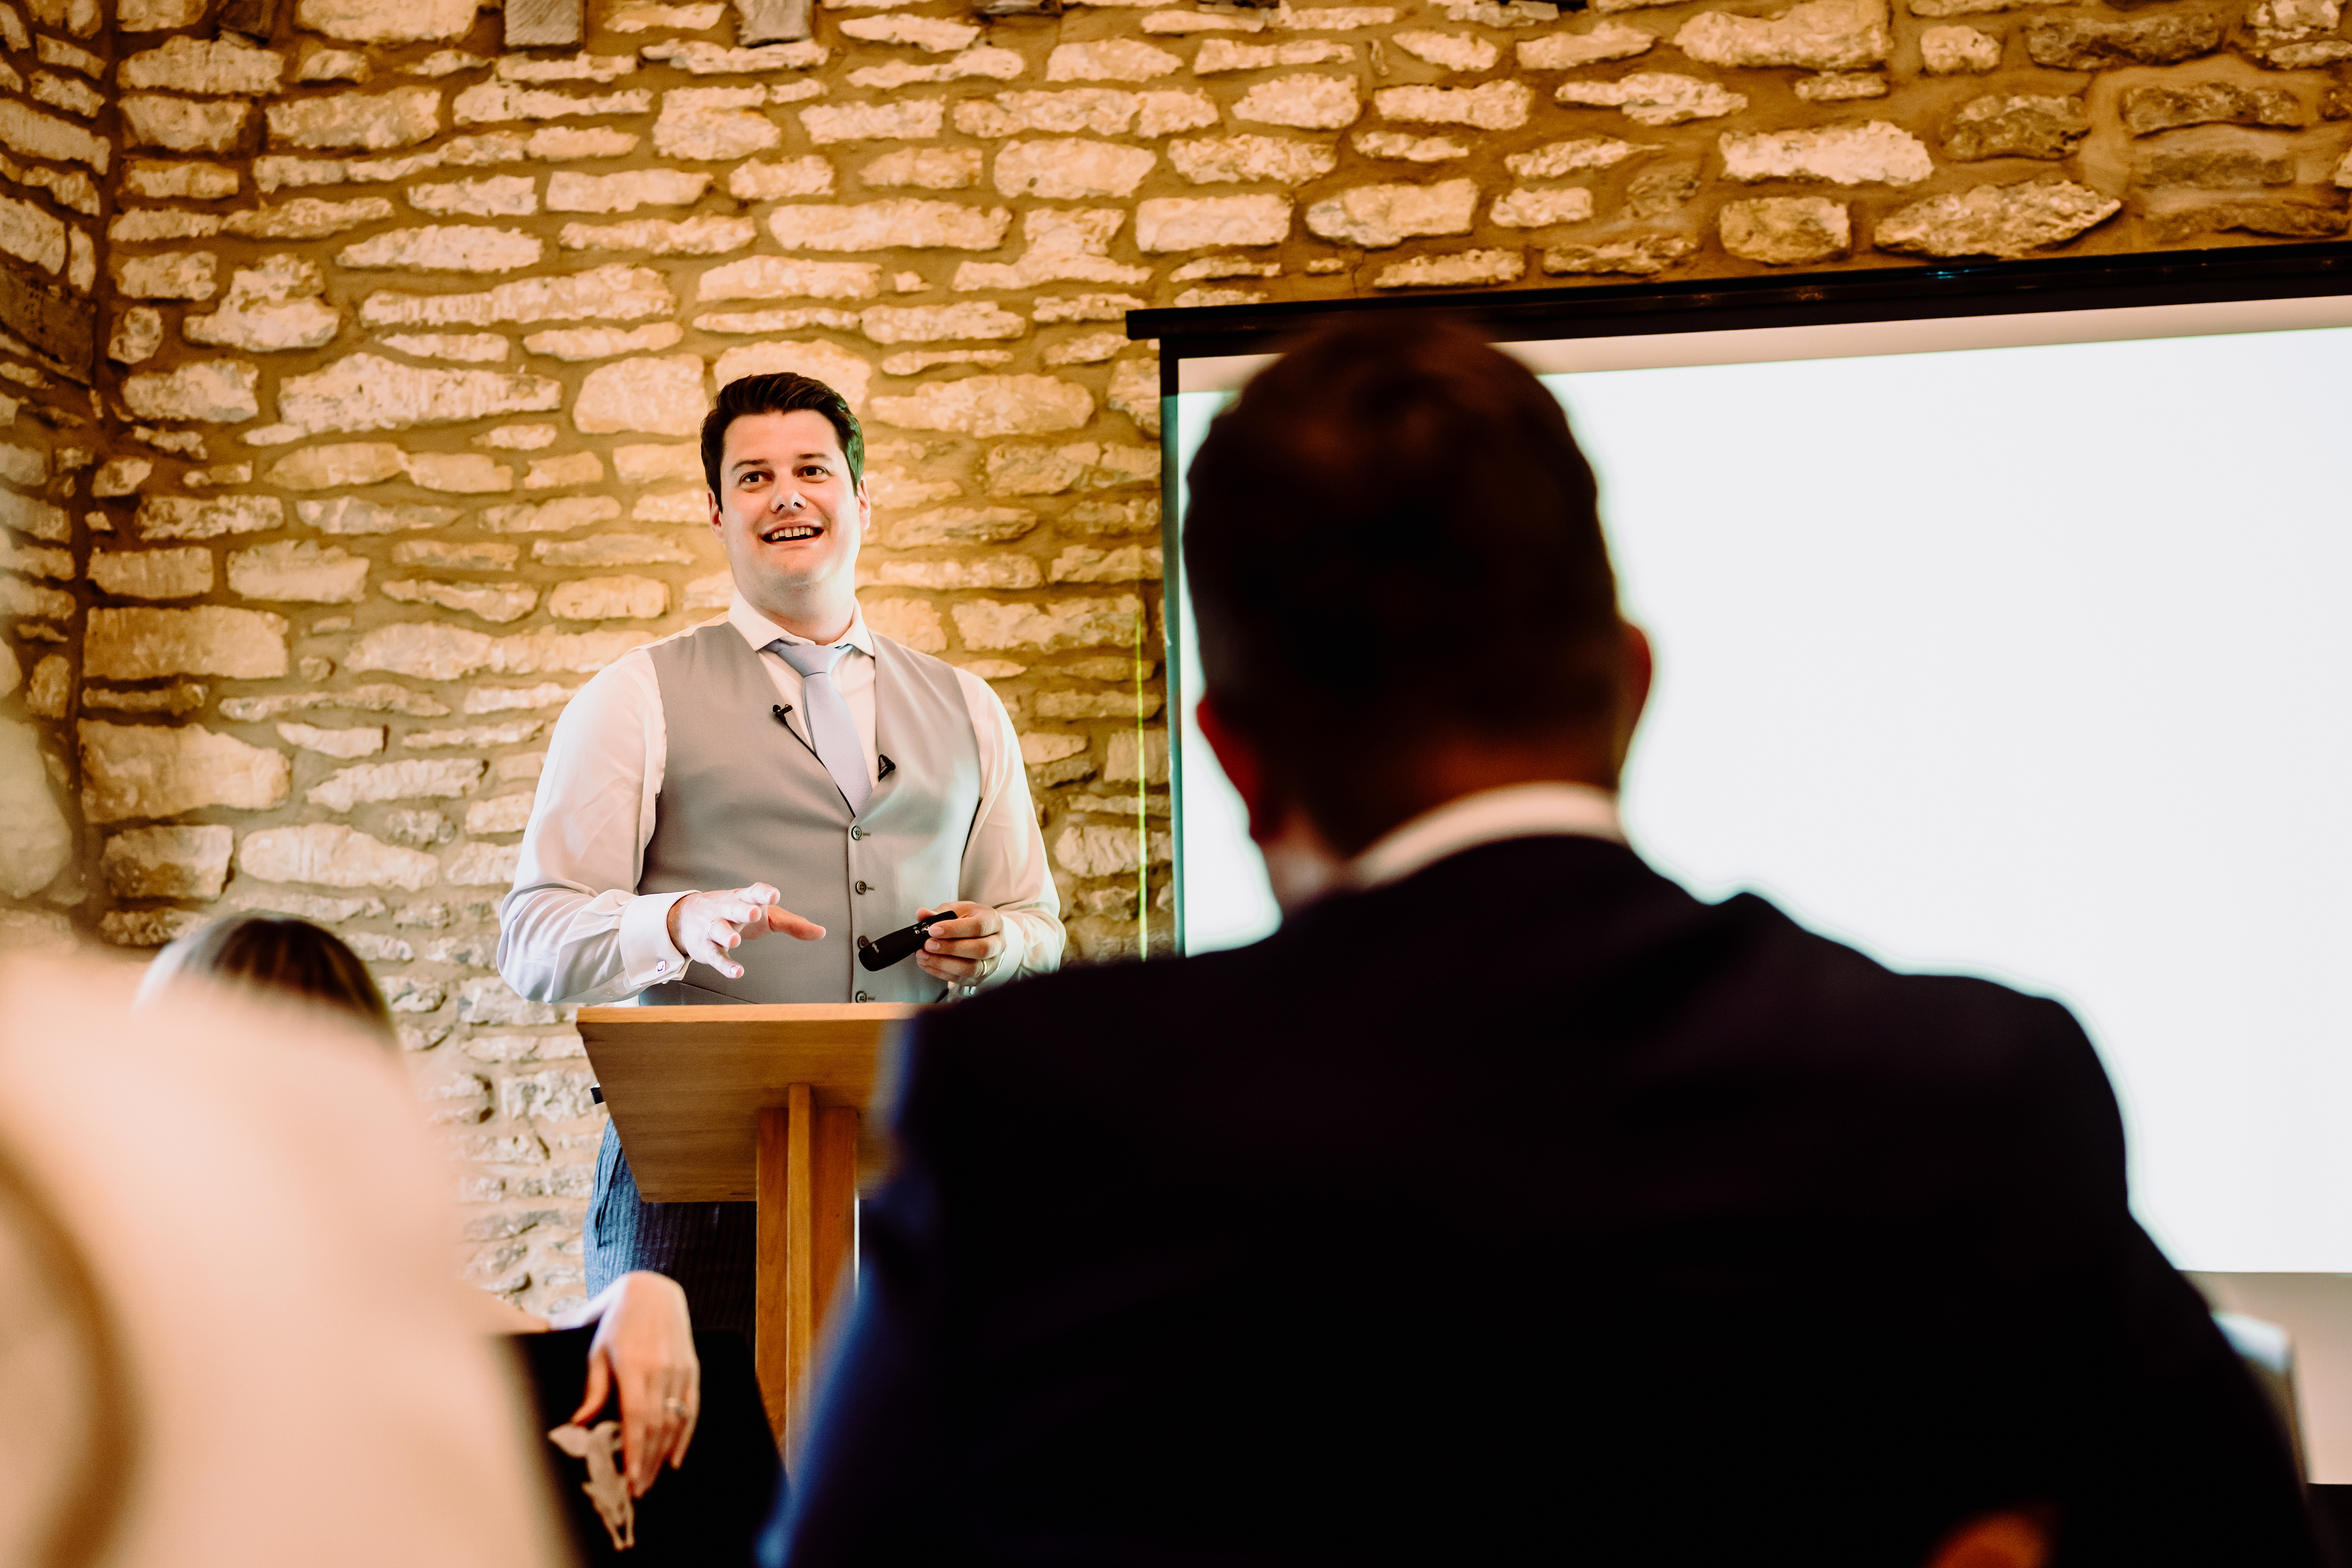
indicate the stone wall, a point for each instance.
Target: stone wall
{"x":352,"y":360}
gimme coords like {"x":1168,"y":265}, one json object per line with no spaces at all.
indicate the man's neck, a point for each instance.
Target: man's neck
{"x":820,"y":620}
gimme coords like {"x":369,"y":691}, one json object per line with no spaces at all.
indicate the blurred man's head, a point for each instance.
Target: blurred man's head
{"x":1403,"y":596}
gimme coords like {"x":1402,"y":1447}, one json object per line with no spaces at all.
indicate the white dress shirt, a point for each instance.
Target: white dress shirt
{"x":575,"y":929}
{"x":1489,"y":816}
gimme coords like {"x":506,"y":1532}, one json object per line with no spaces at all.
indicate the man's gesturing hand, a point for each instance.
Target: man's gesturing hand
{"x":963,"y":950}
{"x":707,"y":926}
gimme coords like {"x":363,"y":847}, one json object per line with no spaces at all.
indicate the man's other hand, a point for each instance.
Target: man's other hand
{"x":963,"y":950}
{"x":707,"y":927}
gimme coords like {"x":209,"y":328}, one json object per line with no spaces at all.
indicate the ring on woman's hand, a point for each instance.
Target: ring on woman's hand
{"x":674,"y":1406}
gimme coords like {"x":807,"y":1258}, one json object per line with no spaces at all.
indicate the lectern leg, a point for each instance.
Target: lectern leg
{"x":808,"y":1192}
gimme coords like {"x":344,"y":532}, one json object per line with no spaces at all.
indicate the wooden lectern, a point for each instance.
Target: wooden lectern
{"x":765,"y":1104}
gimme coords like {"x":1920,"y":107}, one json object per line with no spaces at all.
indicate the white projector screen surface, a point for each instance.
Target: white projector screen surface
{"x":2033,"y":662}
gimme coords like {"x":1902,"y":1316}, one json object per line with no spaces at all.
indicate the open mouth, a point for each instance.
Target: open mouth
{"x":785,"y":534}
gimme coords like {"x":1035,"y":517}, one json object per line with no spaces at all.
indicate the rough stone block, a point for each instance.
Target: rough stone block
{"x":152,"y":769}
{"x":328,"y":855}
{"x":2217,"y":169}
{"x":1825,"y":34}
{"x":753,"y":180}
{"x":1110,"y":59}
{"x":844,"y":371}
{"x":1655,"y":98}
{"x":218,"y":390}
{"x":299,"y":571}
{"x":1070,"y":169}
{"x":608,"y":293}
{"x":387,"y":21}
{"x":1782,"y":231}
{"x":1643,"y":258}
{"x":2016,"y":125}
{"x":1996,"y":220}
{"x":184,"y":125}
{"x":493,"y":195}
{"x":447,"y":248}
{"x":1218,"y":55}
{"x":187,"y":517}
{"x":1196,"y":223}
{"x":494,"y":601}
{"x":1449,"y":51}
{"x":270,"y":308}
{"x":659,"y":397}
{"x":935,"y":323}
{"x":36,"y":841}
{"x":609,"y":599}
{"x":987,"y":624}
{"x":179,"y":275}
{"x":27,"y":131}
{"x":2083,"y":43}
{"x":898,"y":221}
{"x":1566,"y":51}
{"x":1524,"y":208}
{"x":152,"y":573}
{"x":2149,"y":109}
{"x":225,"y":66}
{"x":375,"y":122}
{"x":961,"y":525}
{"x":440,"y":779}
{"x":1493,"y":106}
{"x":1124,"y":759}
{"x":569,"y":191}
{"x":208,"y":639}
{"x":908,"y":120}
{"x":1278,"y":160}
{"x":166,"y":862}
{"x":1874,"y":153}
{"x":31,"y":234}
{"x":306,"y":218}
{"x":368,"y":391}
{"x":1380,"y":215}
{"x":1959,"y":51}
{"x":706,"y":235}
{"x":782,"y":278}
{"x":602,"y":342}
{"x":362,"y":741}
{"x":1307,"y":102}
{"x":706,"y":134}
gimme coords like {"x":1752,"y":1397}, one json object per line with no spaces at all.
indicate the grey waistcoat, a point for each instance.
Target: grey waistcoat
{"x":744,"y":799}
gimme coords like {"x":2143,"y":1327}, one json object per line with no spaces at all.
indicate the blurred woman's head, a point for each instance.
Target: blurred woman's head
{"x":276,"y":956}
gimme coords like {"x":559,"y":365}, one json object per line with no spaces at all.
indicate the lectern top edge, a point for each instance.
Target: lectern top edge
{"x":755,"y":1013}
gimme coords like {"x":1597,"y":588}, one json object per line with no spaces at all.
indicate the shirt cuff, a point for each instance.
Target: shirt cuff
{"x":1016,"y":949}
{"x":646,"y":956}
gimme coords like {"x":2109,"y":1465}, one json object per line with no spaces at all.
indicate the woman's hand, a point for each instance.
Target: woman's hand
{"x":645,"y":1348}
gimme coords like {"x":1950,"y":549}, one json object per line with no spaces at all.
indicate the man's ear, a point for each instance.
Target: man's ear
{"x":1638,"y":668}
{"x":718,"y":517}
{"x":1243,"y":765}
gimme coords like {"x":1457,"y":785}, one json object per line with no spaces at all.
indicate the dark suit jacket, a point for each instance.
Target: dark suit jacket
{"x":1527,"y":1209}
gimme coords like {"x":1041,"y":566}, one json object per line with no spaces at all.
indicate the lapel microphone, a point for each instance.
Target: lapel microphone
{"x":899,"y":944}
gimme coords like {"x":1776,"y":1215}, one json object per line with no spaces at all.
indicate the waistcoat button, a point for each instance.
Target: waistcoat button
{"x":857,"y":833}
{"x":861,"y":886}
{"x":861,"y":996}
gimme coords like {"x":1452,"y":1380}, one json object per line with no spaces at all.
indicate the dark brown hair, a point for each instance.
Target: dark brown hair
{"x":781,"y":392}
{"x":1393,"y":538}
{"x":284,"y":956}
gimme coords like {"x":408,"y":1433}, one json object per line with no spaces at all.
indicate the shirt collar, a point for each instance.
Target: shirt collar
{"x":760,"y":631}
{"x":1489,"y":816}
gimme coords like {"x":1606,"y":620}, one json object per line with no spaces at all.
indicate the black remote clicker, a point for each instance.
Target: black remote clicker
{"x":898,"y":944}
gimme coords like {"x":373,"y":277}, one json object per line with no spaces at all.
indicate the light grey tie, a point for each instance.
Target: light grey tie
{"x":831,"y":729}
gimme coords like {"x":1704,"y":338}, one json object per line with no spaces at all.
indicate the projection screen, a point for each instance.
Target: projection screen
{"x":2011,"y":644}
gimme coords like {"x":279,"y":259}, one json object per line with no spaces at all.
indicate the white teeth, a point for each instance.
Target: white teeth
{"x":780,"y":535}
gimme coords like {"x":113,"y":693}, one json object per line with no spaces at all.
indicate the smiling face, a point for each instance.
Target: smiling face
{"x":791,"y":519}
